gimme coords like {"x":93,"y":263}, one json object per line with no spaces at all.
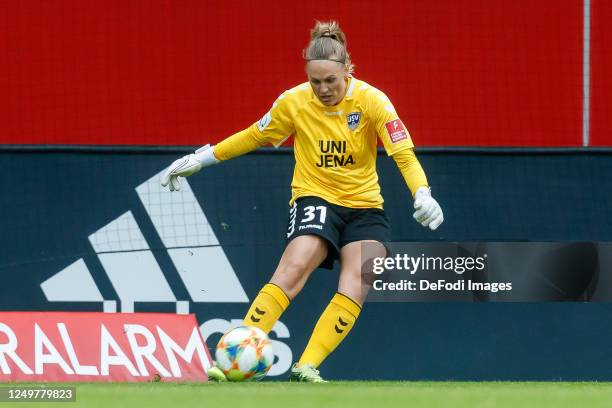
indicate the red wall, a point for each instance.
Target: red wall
{"x":601,"y":72}
{"x":470,"y":72}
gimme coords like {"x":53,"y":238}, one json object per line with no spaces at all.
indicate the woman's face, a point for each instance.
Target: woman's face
{"x":327,"y":80}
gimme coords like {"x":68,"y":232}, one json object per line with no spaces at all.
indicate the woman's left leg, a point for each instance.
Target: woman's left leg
{"x":344,"y":308}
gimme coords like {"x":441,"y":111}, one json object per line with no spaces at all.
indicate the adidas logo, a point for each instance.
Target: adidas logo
{"x":341,"y":323}
{"x":130,"y":265}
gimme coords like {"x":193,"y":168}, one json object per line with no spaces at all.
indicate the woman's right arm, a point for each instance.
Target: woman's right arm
{"x":238,"y":144}
{"x":273,"y":128}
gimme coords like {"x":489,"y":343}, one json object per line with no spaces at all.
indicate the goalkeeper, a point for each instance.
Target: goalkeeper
{"x":336,"y":203}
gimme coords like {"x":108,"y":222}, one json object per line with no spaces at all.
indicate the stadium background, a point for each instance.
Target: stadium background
{"x":97,"y":97}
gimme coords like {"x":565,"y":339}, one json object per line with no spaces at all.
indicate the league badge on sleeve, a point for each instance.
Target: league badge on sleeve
{"x":396,"y":131}
{"x":265,"y":121}
{"x":353,"y":119}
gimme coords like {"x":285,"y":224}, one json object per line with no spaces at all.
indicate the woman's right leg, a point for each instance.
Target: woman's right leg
{"x":300,"y":258}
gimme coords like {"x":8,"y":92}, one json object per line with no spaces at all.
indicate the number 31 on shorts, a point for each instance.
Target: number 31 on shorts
{"x":309,"y":214}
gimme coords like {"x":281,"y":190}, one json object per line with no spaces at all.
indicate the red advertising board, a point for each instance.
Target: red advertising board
{"x":84,"y":346}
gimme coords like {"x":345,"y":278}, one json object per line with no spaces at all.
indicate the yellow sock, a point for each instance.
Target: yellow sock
{"x":267,"y":307}
{"x":333,"y":326}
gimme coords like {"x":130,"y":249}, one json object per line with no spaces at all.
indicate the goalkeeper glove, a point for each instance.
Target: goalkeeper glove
{"x":187,"y":165}
{"x":428,"y":211}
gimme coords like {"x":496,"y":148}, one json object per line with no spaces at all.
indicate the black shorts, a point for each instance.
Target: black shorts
{"x":336,"y":224}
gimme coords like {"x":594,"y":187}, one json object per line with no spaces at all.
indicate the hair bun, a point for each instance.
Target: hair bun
{"x":319,"y":49}
{"x":328,"y":29}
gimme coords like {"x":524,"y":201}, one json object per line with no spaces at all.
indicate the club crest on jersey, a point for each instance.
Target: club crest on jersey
{"x":352,"y":120}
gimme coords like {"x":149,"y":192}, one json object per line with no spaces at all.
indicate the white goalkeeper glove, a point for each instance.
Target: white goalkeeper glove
{"x":428,"y":212}
{"x":187,"y":165}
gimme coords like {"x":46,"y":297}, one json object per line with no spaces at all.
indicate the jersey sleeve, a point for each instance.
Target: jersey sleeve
{"x":276,"y":125}
{"x":391,"y":131}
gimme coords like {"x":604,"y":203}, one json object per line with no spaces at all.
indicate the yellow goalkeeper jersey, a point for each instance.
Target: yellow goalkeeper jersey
{"x":335,"y":146}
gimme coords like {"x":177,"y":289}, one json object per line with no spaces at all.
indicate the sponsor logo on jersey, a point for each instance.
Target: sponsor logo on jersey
{"x":353,"y":119}
{"x":334,"y":154}
{"x":396,"y":131}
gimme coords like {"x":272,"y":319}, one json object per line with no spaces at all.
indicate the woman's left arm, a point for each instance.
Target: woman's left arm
{"x":428,"y":212}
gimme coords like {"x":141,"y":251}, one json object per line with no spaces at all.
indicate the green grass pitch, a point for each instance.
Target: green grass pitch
{"x":344,"y":394}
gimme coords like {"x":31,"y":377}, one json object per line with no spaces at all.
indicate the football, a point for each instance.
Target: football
{"x":244,"y":354}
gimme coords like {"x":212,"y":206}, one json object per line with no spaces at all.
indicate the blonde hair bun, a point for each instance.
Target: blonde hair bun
{"x":330,"y":29}
{"x":328,"y":42}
